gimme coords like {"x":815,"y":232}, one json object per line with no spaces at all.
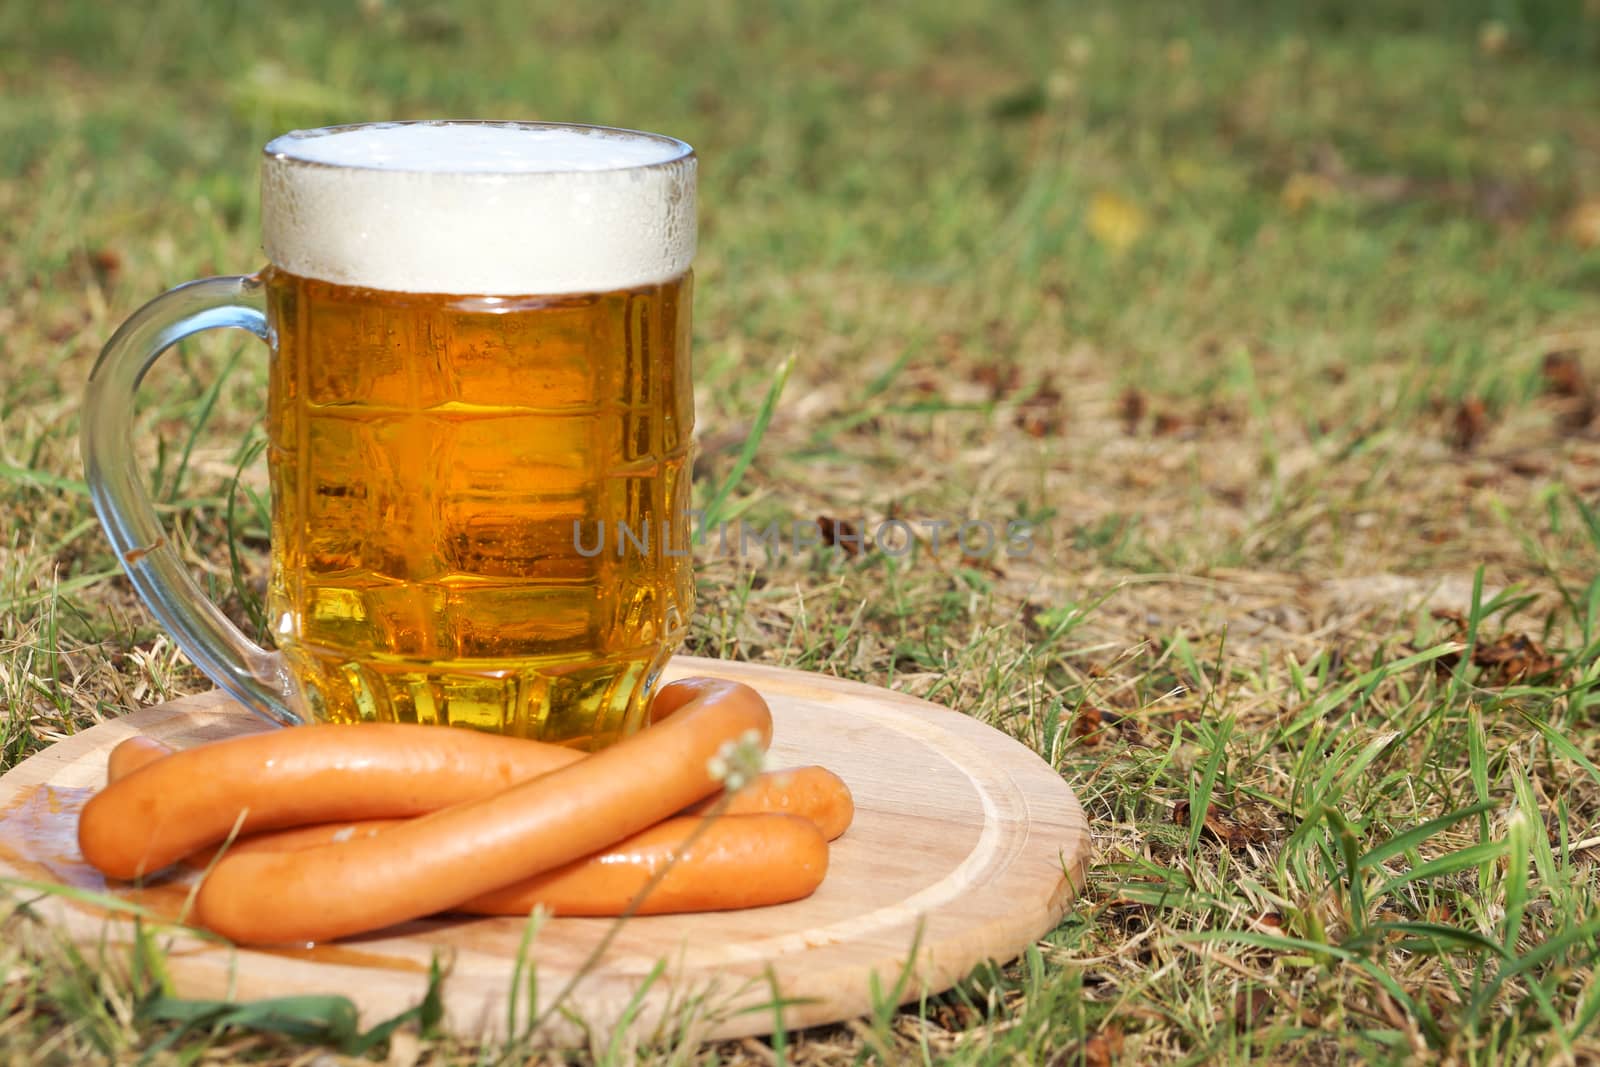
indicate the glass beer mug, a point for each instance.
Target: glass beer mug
{"x":479,"y":338}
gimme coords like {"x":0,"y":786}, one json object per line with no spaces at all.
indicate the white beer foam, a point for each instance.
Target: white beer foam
{"x":479,"y":208}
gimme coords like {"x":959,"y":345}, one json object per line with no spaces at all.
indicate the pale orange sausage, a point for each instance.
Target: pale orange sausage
{"x":293,"y":840}
{"x":137,"y":751}
{"x":670,"y":697}
{"x":168,"y":808}
{"x":813,"y":793}
{"x":306,"y":774}
{"x":436,"y":862}
{"x":736,"y":861}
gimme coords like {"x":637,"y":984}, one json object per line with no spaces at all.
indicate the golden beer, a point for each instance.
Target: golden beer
{"x":480,"y":372}
{"x":479,"y":415}
{"x":451,"y":477}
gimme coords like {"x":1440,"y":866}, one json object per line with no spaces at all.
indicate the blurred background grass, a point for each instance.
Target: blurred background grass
{"x":1280,"y":320}
{"x":1256,"y":166}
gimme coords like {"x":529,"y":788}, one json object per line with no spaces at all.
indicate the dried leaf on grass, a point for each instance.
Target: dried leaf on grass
{"x":1132,"y":407}
{"x":107,"y":262}
{"x":1100,"y":1049}
{"x":1507,"y":660}
{"x":1513,"y":658}
{"x":1470,"y":423}
{"x":1563,"y":374}
{"x":840,"y":533}
{"x":1222,"y":826}
{"x":1167,"y":423}
{"x":1564,"y":378}
{"x":954,"y":1015}
{"x":1041,"y":415}
{"x":1000,"y":380}
{"x":1250,"y":1008}
{"x":1093,"y":724}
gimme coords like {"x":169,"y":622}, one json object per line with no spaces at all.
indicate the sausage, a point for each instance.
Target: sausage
{"x":305,"y":774}
{"x":670,"y":697}
{"x":141,"y":749}
{"x":814,"y":793}
{"x":135,"y":752}
{"x":736,"y":861}
{"x":436,"y":862}
{"x":294,"y":840}
{"x":163,"y":811}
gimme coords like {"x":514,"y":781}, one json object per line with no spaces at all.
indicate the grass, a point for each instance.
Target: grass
{"x":1274,"y":323}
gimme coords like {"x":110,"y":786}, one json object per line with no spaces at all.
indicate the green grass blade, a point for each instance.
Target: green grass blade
{"x":714,"y":511}
{"x":1200,"y":794}
{"x":1561,"y":744}
{"x":1400,"y":844}
{"x":208,"y":405}
{"x":1478,"y":768}
{"x":44,"y":479}
{"x":1459,"y":939}
{"x":1480,"y":855}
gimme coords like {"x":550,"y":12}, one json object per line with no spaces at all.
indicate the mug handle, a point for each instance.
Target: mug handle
{"x":258,"y":679}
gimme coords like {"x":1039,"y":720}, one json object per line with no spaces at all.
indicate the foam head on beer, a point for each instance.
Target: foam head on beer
{"x":479,"y":208}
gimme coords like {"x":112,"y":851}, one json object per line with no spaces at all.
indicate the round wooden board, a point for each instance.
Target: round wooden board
{"x":965,"y":845}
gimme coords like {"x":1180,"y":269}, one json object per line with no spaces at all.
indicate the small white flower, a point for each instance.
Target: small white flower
{"x":738,"y":761}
